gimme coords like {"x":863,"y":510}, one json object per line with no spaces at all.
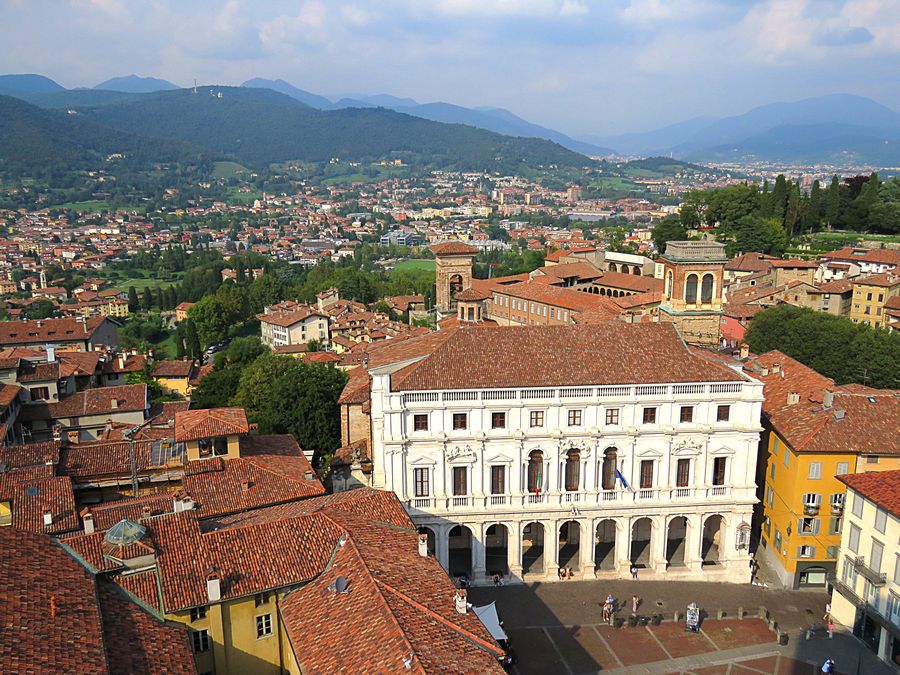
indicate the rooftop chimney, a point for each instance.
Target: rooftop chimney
{"x":121,"y":360}
{"x":48,"y":518}
{"x":245,"y":486}
{"x":146,"y":512}
{"x":114,"y":403}
{"x":745,"y":350}
{"x":87,"y":518}
{"x":51,"y":353}
{"x":462,"y":605}
{"x":776,"y":368}
{"x":423,"y":545}
{"x":793,"y":397}
{"x":828,"y":399}
{"x":213,"y":586}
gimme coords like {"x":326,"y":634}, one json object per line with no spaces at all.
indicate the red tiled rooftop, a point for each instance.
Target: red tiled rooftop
{"x":193,"y":424}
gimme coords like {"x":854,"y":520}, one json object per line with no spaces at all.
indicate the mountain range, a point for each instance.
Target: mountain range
{"x":839,"y":129}
{"x":252,"y":126}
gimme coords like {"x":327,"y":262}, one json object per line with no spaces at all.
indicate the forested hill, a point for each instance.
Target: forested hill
{"x":258,"y":127}
{"x":36,"y":140}
{"x":255,"y":127}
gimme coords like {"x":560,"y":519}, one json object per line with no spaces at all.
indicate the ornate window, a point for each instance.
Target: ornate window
{"x":690,"y":290}
{"x":706,"y":288}
{"x":608,"y":471}
{"x":535,"y":471}
{"x":573,"y":470}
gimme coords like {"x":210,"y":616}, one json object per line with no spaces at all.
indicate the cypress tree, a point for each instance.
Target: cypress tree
{"x":833,"y":202}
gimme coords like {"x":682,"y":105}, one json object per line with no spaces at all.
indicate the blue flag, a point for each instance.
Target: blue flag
{"x":622,"y":478}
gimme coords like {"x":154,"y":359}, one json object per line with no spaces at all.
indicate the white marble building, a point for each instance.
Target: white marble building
{"x":523,"y":449}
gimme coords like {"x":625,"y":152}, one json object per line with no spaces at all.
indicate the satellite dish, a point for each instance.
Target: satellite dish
{"x":339,"y":585}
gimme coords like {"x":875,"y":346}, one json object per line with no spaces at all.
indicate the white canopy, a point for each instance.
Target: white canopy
{"x":488,"y":616}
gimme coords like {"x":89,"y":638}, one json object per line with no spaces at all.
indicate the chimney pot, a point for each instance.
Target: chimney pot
{"x":828,"y":399}
{"x":48,"y":518}
{"x":776,"y":367}
{"x":461,"y":602}
{"x":745,"y":350}
{"x":146,"y":512}
{"x":423,"y":545}
{"x":114,"y":403}
{"x":245,"y":486}
{"x":213,"y":587}
{"x":88,"y":520}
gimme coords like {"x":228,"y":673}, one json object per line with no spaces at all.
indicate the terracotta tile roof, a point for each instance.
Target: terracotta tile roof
{"x":99,"y":459}
{"x":638,"y":299}
{"x":109,"y":513}
{"x":49,"y":330}
{"x":741,"y":311}
{"x":583,"y":271}
{"x":793,"y":263}
{"x":885,"y":279}
{"x":38,"y":372}
{"x":348,"y":454}
{"x":270,"y":470}
{"x":750,"y":262}
{"x":629,"y":282}
{"x":30,"y":454}
{"x":174,"y":369}
{"x":137,"y":642}
{"x":881,"y":487}
{"x":78,"y":363}
{"x":163,"y":413}
{"x":91,"y":402}
{"x":286,"y":319}
{"x":867,"y":255}
{"x":453,"y":248}
{"x":49,"y":617}
{"x":132,"y":363}
{"x":472,"y":295}
{"x":859,"y":420}
{"x":8,"y":394}
{"x":547,"y":356}
{"x":193,"y":424}
{"x":35,"y":490}
{"x":357,"y":388}
{"x":566,"y":298}
{"x":753,"y":294}
{"x":837,"y":286}
{"x":291,"y":349}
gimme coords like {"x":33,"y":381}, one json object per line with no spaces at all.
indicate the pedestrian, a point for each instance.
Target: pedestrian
{"x":830,"y":629}
{"x":498,"y":580}
{"x":827,"y":611}
{"x":828,"y":666}
{"x":634,"y":572}
{"x":463,"y":582}
{"x":635,"y":603}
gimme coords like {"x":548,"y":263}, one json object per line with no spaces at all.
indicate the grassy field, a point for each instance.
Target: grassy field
{"x":236,"y":197}
{"x":426,"y":265}
{"x":89,"y":206}
{"x":141,"y":284}
{"x":227,"y":169}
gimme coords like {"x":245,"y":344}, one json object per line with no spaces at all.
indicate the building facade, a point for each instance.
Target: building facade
{"x":867,"y":584}
{"x":870,"y":297}
{"x":589,"y":447}
{"x":694,"y":275}
{"x":280,"y":329}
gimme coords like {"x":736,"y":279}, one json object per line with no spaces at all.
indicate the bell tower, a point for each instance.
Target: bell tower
{"x":453,"y":272}
{"x":693,"y":275}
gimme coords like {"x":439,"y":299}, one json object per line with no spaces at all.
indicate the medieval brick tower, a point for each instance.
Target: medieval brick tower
{"x":693,"y":272}
{"x":453,"y":272}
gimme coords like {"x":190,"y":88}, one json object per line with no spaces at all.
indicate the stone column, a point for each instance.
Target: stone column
{"x":514,"y":551}
{"x":442,"y":546}
{"x":479,"y":572}
{"x":623,"y":546}
{"x":658,"y":545}
{"x":551,"y":550}
{"x":693,"y":557}
{"x":586,"y":548}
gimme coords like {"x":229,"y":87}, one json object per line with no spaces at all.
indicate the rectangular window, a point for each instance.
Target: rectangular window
{"x":777,"y":541}
{"x":897,"y":570}
{"x":498,"y":420}
{"x":683,"y":473}
{"x":787,"y":457}
{"x":40,"y":394}
{"x":198,"y":613}
{"x":719,"y":464}
{"x":857,"y":505}
{"x":835,"y":525}
{"x":460,"y":421}
{"x":853,"y":539}
{"x":806,"y":551}
{"x":723,"y":413}
{"x":420,"y":422}
{"x":200,"y":641}
{"x":837,"y":501}
{"x":536,"y":418}
{"x":574,"y":418}
{"x":420,"y":482}
{"x":687,"y":414}
{"x":612,"y":416}
{"x":880,"y":520}
{"x":877,"y":556}
{"x":871,"y":459}
{"x":772,"y":471}
{"x":263,"y":625}
{"x":646,"y":474}
{"x":261,"y":599}
{"x":815,"y":471}
{"x":770,"y":496}
{"x":498,"y":479}
{"x":831,"y":552}
{"x":808,"y":526}
{"x":812,"y":500}
{"x":460,"y":481}
{"x":649,"y":415}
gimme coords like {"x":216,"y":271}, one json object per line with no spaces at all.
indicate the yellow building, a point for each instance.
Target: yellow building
{"x":866,"y":584}
{"x":814,"y":431}
{"x":870,"y":295}
{"x":175,"y":376}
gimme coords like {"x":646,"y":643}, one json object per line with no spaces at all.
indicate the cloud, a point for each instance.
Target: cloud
{"x":850,"y":36}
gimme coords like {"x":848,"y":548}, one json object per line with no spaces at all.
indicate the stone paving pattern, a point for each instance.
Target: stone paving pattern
{"x":557,"y":628}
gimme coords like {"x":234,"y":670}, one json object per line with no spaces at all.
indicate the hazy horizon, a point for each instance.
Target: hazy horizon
{"x":576,"y":66}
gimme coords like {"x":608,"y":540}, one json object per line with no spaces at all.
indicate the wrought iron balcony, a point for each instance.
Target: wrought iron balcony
{"x":870,"y":575}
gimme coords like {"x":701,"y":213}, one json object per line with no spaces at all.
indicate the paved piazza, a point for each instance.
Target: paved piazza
{"x":558,"y":628}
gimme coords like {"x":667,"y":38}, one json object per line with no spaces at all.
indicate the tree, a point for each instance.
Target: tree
{"x":831,"y":345}
{"x":212,"y":317}
{"x":147,"y":300}
{"x":286,"y":395}
{"x":192,"y":340}
{"x":833,"y":202}
{"x":670,"y":229}
{"x":693,"y":210}
{"x":216,"y":389}
{"x":762,"y":235}
{"x":133,"y":302}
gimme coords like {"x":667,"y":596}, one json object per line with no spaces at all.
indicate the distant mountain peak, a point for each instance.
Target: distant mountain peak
{"x":27,"y":83}
{"x":134,"y":84}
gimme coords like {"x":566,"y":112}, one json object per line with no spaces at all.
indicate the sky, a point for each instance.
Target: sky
{"x":579,"y":66}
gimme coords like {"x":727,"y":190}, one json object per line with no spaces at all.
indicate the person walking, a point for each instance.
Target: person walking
{"x":830,"y":629}
{"x":635,"y":603}
{"x":828,"y":666}
{"x":634,"y":571}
